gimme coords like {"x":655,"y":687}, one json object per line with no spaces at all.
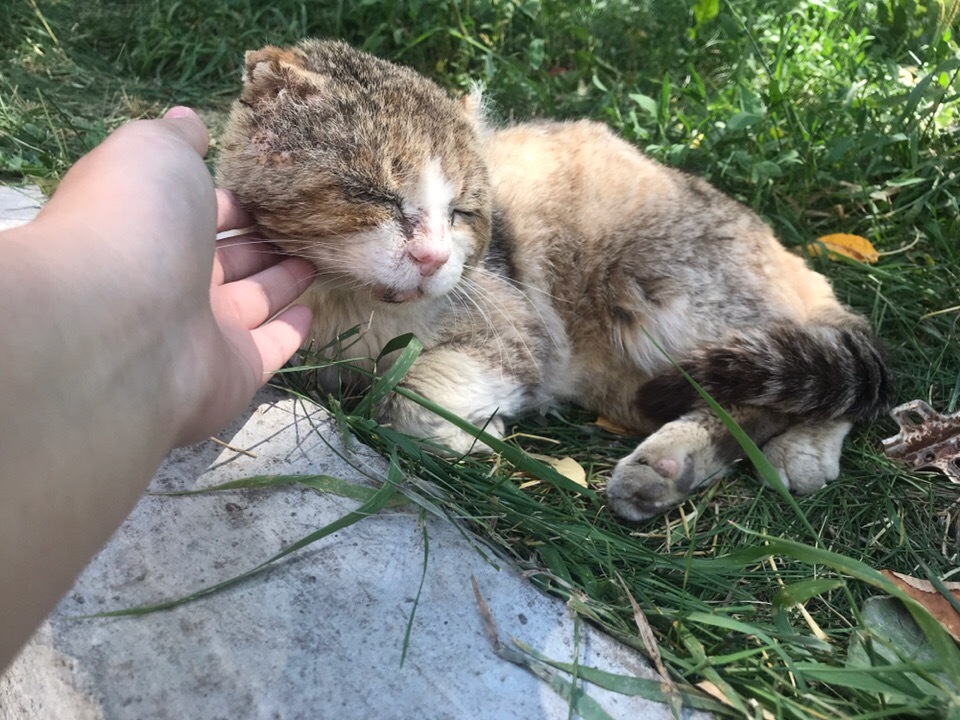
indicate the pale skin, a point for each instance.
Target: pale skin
{"x":125,"y":331}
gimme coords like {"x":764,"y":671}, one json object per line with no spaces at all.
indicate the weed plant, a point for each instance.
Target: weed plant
{"x":823,"y":115}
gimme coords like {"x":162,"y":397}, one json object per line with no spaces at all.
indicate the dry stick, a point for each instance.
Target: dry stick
{"x":653,"y":650}
{"x":490,"y":627}
{"x":231,"y":447}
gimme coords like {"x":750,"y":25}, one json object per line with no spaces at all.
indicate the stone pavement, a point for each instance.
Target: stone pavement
{"x":318,"y":636}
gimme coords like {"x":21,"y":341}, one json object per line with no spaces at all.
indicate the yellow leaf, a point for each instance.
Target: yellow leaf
{"x":610,"y":426}
{"x":710,"y":689}
{"x":851,"y":246}
{"x":568,"y":467}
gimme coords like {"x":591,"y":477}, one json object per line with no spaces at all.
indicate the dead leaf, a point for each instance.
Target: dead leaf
{"x":568,"y":467}
{"x":610,"y":426}
{"x":926,"y":439}
{"x":851,"y":246}
{"x":712,"y":690}
{"x":927,"y":595}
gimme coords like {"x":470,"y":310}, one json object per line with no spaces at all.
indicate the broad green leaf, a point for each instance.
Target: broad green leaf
{"x":800,"y":592}
{"x":892,"y":648}
{"x":743,"y":120}
{"x":646,"y":103}
{"x":941,"y":642}
{"x":704,"y":10}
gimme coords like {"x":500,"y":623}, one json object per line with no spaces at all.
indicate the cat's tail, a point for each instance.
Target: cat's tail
{"x":816,"y":372}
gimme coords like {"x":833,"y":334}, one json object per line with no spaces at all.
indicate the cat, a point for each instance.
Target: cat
{"x":546,"y":262}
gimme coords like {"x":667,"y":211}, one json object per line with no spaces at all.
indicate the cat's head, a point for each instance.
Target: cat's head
{"x":367,"y":169}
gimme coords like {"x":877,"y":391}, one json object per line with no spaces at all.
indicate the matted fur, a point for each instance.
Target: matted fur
{"x":546,"y":262}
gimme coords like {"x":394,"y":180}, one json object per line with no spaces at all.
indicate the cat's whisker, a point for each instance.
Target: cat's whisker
{"x":488,"y":324}
{"x":501,"y":309}
{"x":513,"y":281}
{"x":530,"y":301}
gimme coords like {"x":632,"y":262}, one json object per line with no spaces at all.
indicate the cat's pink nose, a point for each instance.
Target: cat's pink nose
{"x":429,"y":258}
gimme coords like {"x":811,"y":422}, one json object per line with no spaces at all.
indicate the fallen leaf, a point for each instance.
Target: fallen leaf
{"x":712,"y":690}
{"x":927,"y":439}
{"x":927,"y":595}
{"x":610,"y":426}
{"x":568,"y":467}
{"x":886,"y":620}
{"x":851,"y":246}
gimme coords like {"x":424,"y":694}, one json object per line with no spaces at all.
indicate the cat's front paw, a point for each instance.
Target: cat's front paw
{"x":807,"y":457}
{"x":462,"y":442}
{"x":662,"y":472}
{"x":415,"y":420}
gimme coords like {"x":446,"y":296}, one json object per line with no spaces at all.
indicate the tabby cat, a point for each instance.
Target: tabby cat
{"x":546,"y":262}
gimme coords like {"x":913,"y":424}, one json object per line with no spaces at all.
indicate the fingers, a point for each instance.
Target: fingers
{"x":280,"y":338}
{"x":230,"y":216}
{"x":253,"y":300}
{"x":189,"y":125}
{"x":242,"y":256}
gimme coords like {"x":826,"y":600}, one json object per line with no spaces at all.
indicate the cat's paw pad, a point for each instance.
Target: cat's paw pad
{"x":659,"y":474}
{"x":805,"y":457}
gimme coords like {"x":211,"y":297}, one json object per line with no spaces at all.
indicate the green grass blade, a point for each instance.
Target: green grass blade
{"x":321,"y":483}
{"x":753,"y":453}
{"x":940,"y":641}
{"x":416,"y":600}
{"x":800,"y":592}
{"x":517,"y":457}
{"x":749,"y":630}
{"x":372,"y":506}
{"x":629,"y":684}
{"x":410,"y":348}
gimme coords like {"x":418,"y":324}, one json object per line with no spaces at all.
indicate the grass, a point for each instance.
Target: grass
{"x":824,"y":116}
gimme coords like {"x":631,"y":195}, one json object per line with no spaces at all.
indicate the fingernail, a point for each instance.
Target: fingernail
{"x":178,"y":112}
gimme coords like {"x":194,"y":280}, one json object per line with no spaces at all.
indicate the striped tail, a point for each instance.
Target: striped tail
{"x":817,"y":372}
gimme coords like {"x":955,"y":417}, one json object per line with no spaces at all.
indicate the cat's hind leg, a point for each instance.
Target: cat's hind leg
{"x":463,"y":383}
{"x":696,"y":450}
{"x":682,"y":456}
{"x":807,"y":456}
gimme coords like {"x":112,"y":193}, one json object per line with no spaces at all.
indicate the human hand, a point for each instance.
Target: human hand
{"x":125,"y":331}
{"x":251,"y":282}
{"x":156,"y":215}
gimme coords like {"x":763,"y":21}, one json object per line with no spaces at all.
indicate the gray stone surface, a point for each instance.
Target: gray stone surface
{"x":318,"y":636}
{"x":18,"y":205}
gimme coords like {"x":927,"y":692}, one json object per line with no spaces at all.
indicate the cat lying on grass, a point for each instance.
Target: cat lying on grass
{"x":546,"y":262}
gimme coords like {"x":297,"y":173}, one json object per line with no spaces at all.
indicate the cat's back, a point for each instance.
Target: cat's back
{"x":580,"y":205}
{"x":576,"y":176}
{"x":627,"y":249}
{"x":568,"y":185}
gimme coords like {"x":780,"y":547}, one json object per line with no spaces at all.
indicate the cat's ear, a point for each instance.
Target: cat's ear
{"x":271,"y":69}
{"x":473,"y":105}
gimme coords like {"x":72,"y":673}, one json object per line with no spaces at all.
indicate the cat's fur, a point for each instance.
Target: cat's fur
{"x":546,"y":262}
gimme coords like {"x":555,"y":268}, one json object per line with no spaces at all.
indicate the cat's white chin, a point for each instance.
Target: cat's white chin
{"x":394,"y":296}
{"x":432,"y":288}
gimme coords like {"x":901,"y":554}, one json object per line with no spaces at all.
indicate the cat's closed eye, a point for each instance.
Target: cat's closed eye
{"x":459,"y":215}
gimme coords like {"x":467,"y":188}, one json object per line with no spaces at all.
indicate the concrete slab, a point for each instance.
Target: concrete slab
{"x":19,"y":204}
{"x":318,"y":636}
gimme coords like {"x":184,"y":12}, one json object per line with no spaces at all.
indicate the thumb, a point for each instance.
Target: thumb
{"x":186,"y":122}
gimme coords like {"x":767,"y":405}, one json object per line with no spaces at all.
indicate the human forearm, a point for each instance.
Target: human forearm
{"x":121,"y":336}
{"x":85,"y":417}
